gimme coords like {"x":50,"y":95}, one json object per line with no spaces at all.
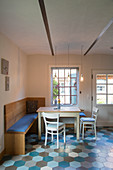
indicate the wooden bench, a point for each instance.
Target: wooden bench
{"x":18,"y":123}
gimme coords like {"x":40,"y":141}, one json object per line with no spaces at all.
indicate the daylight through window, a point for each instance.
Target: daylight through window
{"x":104,"y":88}
{"x":63,"y":87}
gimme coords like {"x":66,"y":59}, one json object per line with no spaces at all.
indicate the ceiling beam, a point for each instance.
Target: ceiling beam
{"x":45,"y":20}
{"x":100,"y":35}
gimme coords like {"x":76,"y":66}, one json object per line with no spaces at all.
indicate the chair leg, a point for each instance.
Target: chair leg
{"x":83,"y":131}
{"x":93,"y":127}
{"x":80,"y":126}
{"x":95,"y":130}
{"x":57,"y":140}
{"x":64,"y":135}
{"x":46,"y":138}
{"x":52,"y":136}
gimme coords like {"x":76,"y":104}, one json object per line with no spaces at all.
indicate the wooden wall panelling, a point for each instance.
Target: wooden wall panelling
{"x":13,"y":112}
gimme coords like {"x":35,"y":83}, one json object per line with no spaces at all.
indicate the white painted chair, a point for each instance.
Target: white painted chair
{"x":85,"y":121}
{"x":53,"y":126}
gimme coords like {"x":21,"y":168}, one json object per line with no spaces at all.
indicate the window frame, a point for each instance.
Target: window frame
{"x":106,"y":84}
{"x":77,"y":84}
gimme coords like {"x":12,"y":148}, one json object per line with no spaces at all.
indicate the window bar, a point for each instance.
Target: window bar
{"x":106,"y":89}
{"x":64,"y":86}
{"x":58,"y":84}
{"x":70,"y":87}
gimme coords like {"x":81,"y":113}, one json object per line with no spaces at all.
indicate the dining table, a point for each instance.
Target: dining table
{"x":66,"y":112}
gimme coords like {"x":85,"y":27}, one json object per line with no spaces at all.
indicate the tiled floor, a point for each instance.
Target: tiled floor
{"x":85,"y":154}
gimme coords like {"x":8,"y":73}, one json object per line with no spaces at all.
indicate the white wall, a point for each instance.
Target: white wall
{"x":18,"y":78}
{"x":39,"y":76}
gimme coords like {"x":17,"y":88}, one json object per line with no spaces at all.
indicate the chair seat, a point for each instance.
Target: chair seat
{"x":82,"y":114}
{"x":55,"y":125}
{"x":88,"y":119}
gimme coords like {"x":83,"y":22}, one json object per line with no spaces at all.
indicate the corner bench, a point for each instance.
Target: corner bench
{"x":17,"y":124}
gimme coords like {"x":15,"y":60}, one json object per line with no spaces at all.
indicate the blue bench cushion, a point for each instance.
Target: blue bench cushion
{"x":82,"y":114}
{"x":22,"y":124}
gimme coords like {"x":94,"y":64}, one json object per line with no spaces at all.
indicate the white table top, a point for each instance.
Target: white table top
{"x":62,"y":109}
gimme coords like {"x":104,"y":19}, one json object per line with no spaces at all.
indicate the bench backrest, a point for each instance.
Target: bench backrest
{"x":13,"y":112}
{"x":16,"y":110}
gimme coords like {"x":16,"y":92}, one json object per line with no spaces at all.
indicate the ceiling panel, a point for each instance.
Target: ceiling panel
{"x":71,"y":22}
{"x":21,"y":21}
{"x":78,"y":22}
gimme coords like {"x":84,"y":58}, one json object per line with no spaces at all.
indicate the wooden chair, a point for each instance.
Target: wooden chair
{"x":84,"y":121}
{"x":53,"y":126}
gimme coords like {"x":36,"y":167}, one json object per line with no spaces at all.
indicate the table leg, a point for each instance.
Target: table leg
{"x":39,"y":125}
{"x":75,"y":124}
{"x":78,"y":126}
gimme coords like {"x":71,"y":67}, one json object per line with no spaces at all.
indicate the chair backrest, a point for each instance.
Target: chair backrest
{"x":95,"y":113}
{"x":51,"y":118}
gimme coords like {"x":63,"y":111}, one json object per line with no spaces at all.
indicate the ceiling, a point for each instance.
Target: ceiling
{"x":72,"y":24}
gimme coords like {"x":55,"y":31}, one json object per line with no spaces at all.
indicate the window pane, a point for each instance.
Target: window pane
{"x":55,"y":71}
{"x":110,"y":99}
{"x":101,"y":89}
{"x":73,"y":82}
{"x":110,"y":89}
{"x":61,"y":72}
{"x":67,"y":71}
{"x":67,"y":91}
{"x":110,"y":78}
{"x":73,"y":91}
{"x":55,"y":89}
{"x":55,"y":99}
{"x":101,"y":99}
{"x":101,"y":78}
{"x":73,"y":99}
{"x":61,"y":91}
{"x":67,"y":82}
{"x":73,"y":72}
{"x":61,"y":82}
{"x":67,"y":99}
{"x":62,"y":99}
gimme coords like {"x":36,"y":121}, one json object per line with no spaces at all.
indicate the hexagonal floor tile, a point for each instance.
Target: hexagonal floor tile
{"x":37,"y":158}
{"x":53,"y":154}
{"x":48,"y":159}
{"x":58,"y":159}
{"x":27,"y":158}
{"x":79,"y":159}
{"x":30,"y":163}
{"x":73,"y":154}
{"x":75,"y":164}
{"x":64,"y":164}
{"x":19,"y":163}
{"x":83,"y":154}
{"x":63,"y":154}
{"x":41,"y":164}
{"x":52,"y":164}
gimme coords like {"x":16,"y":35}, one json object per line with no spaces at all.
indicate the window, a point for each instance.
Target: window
{"x":104,"y":88}
{"x":64,"y":88}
